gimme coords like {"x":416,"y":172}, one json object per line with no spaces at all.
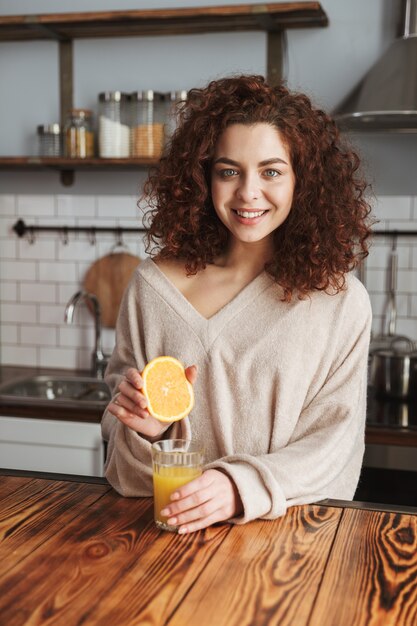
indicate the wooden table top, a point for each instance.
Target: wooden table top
{"x":75,"y":553}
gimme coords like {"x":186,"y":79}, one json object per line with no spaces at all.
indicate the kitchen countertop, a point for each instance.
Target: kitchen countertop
{"x":388,"y":422}
{"x":49,"y":410}
{"x":75,"y":552}
{"x":391,"y":422}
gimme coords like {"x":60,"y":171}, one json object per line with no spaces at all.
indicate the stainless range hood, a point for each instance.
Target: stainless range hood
{"x":386,"y":98}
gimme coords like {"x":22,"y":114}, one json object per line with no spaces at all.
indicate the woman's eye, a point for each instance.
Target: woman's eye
{"x":227,"y":173}
{"x":271,"y":173}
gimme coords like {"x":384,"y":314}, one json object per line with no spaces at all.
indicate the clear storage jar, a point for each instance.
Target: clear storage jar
{"x":49,"y":140}
{"x":174,"y":99}
{"x":113,"y":124}
{"x":148,"y":117}
{"x":79,"y":134}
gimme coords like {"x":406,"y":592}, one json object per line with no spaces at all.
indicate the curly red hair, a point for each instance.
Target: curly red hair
{"x":326,"y":232}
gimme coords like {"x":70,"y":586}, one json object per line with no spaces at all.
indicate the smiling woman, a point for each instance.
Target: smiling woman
{"x":325,"y":234}
{"x":254,"y":196}
{"x":256,"y":217}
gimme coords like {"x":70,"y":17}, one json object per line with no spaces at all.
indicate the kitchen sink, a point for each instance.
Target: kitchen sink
{"x":63,"y":390}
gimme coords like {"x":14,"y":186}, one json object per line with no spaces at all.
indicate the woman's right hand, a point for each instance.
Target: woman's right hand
{"x":130,"y":405}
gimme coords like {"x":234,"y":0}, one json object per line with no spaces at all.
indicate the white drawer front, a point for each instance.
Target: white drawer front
{"x":51,"y":446}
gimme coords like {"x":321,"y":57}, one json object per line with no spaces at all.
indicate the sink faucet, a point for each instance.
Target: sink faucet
{"x":98,"y":359}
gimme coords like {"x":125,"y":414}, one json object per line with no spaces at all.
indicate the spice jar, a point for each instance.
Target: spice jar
{"x":79,"y":136}
{"x":148,"y":116}
{"x":174,"y":99}
{"x":49,"y":140}
{"x":114,"y":132}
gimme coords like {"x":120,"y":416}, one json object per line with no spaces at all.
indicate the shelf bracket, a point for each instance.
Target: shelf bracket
{"x":66,"y":94}
{"x":67,"y":177}
{"x":65,"y":78}
{"x":275,"y":57}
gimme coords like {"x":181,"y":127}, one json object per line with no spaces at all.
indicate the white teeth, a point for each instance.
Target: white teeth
{"x":250,"y":213}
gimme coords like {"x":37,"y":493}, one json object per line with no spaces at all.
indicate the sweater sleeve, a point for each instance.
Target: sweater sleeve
{"x":128,"y":461}
{"x":324,"y":456}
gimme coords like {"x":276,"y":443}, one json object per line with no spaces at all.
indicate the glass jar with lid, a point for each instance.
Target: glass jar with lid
{"x":79,"y":135}
{"x":148,"y":117}
{"x":49,"y":140}
{"x":174,"y":99}
{"x":114,"y":132}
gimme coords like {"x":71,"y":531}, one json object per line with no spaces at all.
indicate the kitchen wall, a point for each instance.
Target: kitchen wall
{"x":394,"y":213}
{"x":37,"y":279}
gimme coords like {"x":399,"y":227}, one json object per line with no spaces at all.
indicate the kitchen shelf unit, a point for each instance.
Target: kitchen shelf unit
{"x":64,"y":28}
{"x":67,"y":166}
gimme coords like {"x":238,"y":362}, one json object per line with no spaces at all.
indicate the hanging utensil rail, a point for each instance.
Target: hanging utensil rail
{"x":21,"y":229}
{"x":394,"y":233}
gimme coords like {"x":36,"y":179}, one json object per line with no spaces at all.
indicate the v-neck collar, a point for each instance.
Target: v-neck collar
{"x":212,"y":326}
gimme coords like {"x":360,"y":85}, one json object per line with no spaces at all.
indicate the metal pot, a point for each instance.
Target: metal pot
{"x":394,"y":370}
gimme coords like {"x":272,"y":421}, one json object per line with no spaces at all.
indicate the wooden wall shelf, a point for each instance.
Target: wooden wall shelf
{"x":34,"y":163}
{"x":66,"y":26}
{"x":67,"y":167}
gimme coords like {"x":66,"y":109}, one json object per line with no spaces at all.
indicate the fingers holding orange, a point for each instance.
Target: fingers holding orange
{"x":163,"y":392}
{"x":131,"y":405}
{"x":123,"y":413}
{"x":191,"y":373}
{"x":132,"y":394}
{"x":138,"y":420}
{"x":134,"y":378}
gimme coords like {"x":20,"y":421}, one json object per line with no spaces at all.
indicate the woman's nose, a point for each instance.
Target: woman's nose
{"x":248,"y":189}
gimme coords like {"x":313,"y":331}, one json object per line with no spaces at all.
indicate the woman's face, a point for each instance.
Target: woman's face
{"x":252,"y":181}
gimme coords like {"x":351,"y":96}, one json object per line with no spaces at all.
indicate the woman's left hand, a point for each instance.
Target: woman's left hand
{"x":210,"y":498}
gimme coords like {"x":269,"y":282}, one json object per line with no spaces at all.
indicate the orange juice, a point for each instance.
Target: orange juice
{"x":175,"y":462}
{"x":166,"y":479}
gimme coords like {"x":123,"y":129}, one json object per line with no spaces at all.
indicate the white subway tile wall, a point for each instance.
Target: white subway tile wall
{"x":37,"y":279}
{"x":394,"y":213}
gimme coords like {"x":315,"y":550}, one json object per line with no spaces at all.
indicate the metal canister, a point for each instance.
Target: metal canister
{"x":49,"y":140}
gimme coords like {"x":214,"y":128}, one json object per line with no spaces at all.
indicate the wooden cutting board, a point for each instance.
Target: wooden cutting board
{"x":107,"y":279}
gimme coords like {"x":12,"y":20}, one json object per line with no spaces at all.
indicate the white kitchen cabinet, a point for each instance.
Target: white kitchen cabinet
{"x":45,"y":445}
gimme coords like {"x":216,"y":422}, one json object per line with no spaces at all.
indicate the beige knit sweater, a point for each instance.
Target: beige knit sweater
{"x":280,"y":398}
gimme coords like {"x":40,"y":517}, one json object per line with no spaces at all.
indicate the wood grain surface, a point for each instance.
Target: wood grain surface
{"x":10,"y":485}
{"x":107,"y":278}
{"x":168,"y":21}
{"x":271,"y":569}
{"x":77,"y":553}
{"x":371,"y":577}
{"x":160,"y":581}
{"x":30,"y":515}
{"x":87,"y":557}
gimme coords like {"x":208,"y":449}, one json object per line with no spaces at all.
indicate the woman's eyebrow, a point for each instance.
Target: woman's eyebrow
{"x":262,"y":163}
{"x":273,"y":160}
{"x":226,"y":160}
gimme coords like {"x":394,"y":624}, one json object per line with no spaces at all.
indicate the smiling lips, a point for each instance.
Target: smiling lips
{"x":249,"y":217}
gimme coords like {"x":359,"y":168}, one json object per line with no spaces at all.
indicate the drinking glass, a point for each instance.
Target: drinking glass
{"x":175,"y":462}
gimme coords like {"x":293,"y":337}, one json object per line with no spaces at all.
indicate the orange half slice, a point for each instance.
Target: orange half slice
{"x":170,"y":395}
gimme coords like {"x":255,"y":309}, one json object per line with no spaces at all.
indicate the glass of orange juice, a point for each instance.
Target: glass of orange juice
{"x":175,"y":462}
